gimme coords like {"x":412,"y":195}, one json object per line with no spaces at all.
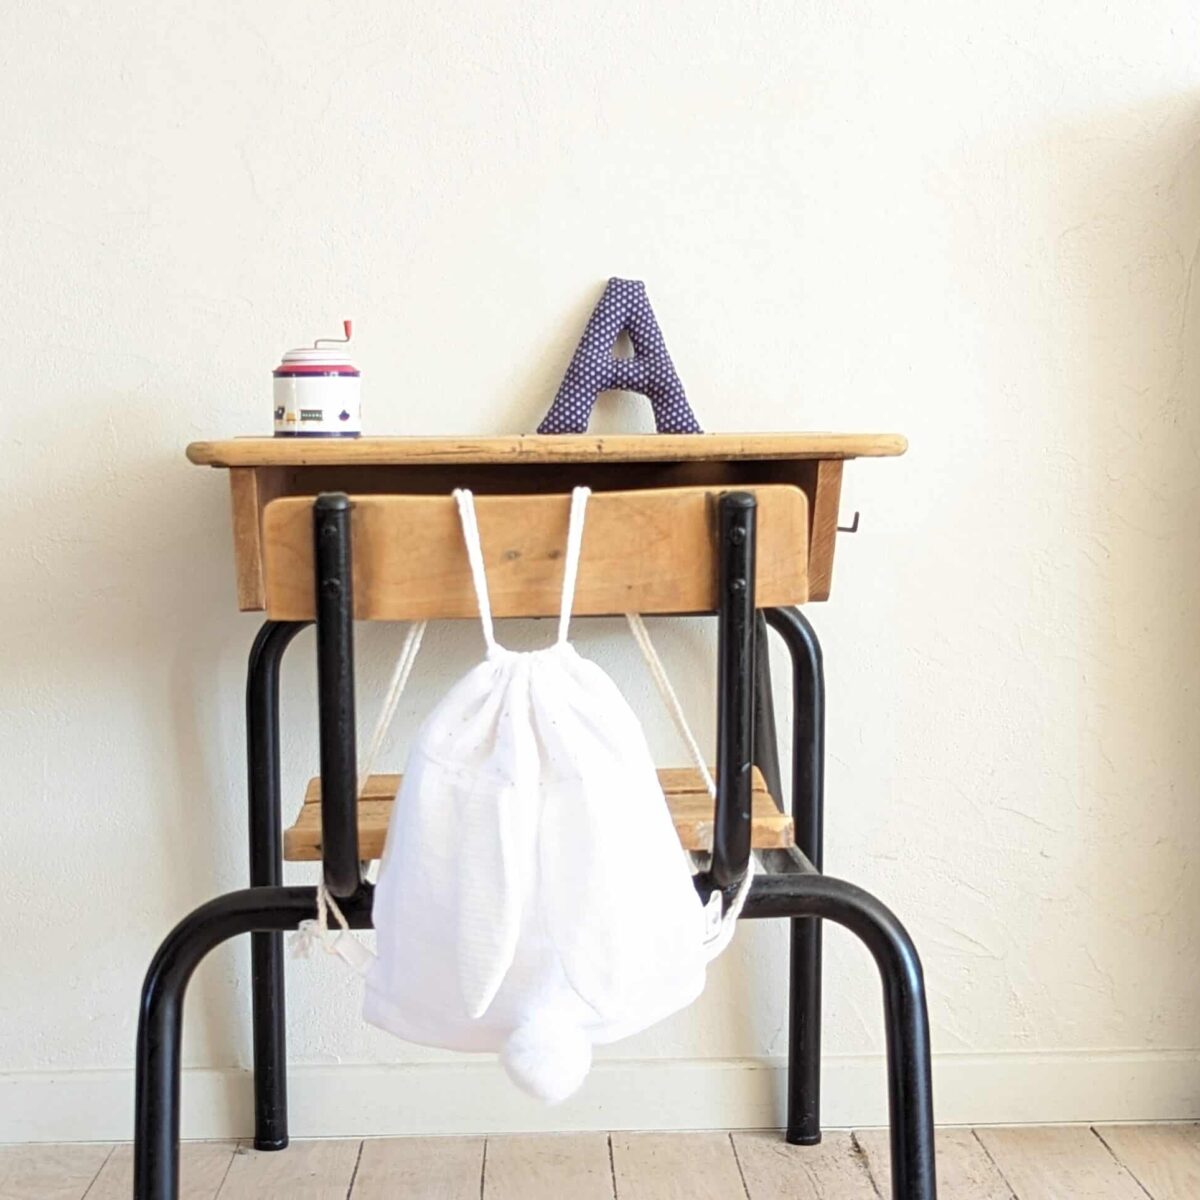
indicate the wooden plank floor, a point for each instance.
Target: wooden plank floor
{"x":1075,"y":1162}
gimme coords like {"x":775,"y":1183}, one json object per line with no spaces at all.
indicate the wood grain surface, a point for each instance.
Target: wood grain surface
{"x":690,"y":804}
{"x":532,"y":447}
{"x":651,"y":551}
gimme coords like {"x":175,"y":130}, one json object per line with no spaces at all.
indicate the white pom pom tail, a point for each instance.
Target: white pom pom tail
{"x":548,"y":1057}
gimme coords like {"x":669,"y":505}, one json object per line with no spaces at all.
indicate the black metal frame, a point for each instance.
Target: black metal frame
{"x":266,"y":870}
{"x":808,"y":819}
{"x":791,"y":886}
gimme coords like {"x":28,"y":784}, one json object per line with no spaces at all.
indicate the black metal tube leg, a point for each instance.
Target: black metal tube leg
{"x":910,"y":1074}
{"x":808,"y":814}
{"x":156,"y":1106}
{"x":160,"y":1020}
{"x":910,"y":1082}
{"x":804,"y":1033}
{"x":736,"y":615}
{"x":766,"y":736}
{"x":335,"y":692}
{"x":267,"y":993}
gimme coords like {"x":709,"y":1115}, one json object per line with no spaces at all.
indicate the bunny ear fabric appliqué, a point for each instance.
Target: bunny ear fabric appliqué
{"x":618,"y":900}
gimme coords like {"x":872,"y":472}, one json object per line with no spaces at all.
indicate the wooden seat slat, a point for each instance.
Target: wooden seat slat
{"x":691,"y":810}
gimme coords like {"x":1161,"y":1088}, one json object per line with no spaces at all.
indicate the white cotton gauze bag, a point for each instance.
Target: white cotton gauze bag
{"x":533,"y":897}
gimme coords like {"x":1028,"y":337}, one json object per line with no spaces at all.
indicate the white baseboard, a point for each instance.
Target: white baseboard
{"x":473,"y":1096}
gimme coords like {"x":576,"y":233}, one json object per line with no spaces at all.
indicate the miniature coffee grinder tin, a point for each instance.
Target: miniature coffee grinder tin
{"x":317,"y":391}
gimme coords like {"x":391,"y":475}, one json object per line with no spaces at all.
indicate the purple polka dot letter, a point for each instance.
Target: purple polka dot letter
{"x":623,"y":307}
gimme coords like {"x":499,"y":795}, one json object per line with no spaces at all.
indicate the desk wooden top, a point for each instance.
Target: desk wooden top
{"x":263,"y":469}
{"x":542,"y":448}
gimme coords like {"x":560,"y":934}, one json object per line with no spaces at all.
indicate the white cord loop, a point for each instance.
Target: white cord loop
{"x":387,"y":714}
{"x":470,"y":525}
{"x":342,"y":943}
{"x":658,"y":672}
{"x":312,"y":933}
{"x":579,"y":499}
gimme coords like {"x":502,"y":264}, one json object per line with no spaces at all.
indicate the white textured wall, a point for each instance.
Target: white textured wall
{"x":973,"y":223}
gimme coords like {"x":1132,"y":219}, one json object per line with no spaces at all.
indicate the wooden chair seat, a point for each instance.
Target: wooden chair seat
{"x":691,"y":810}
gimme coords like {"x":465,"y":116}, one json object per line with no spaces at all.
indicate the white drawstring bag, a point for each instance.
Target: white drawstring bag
{"x":533,"y":897}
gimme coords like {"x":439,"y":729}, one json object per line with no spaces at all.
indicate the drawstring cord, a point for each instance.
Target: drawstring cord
{"x":387,"y":714}
{"x":310,"y":933}
{"x":342,"y":943}
{"x":719,"y":915}
{"x":658,"y":673}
